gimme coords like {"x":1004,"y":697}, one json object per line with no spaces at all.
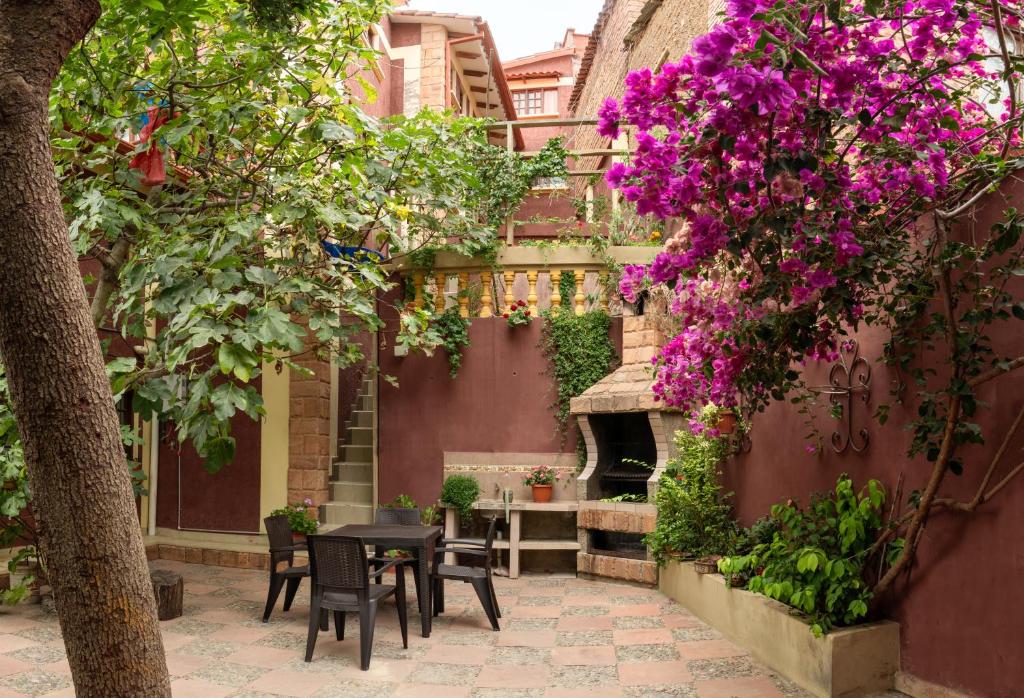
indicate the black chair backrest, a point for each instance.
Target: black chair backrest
{"x":279,"y":531}
{"x":338,"y":562}
{"x":489,"y":540}
{"x":401,"y":517}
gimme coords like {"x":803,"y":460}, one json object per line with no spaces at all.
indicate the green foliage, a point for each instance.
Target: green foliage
{"x":541,"y":475}
{"x":510,"y":175}
{"x":299,"y":517}
{"x":402,"y":501}
{"x":453,"y":330}
{"x":459,"y":492}
{"x":628,"y":497}
{"x":580,"y":351}
{"x":820,"y":560}
{"x":268,"y":154}
{"x":431,"y":515}
{"x":694,"y":515}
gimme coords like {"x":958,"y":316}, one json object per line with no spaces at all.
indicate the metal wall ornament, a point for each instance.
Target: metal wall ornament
{"x":849,"y":379}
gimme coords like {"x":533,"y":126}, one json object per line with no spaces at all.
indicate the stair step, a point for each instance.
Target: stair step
{"x":356,"y":454}
{"x":352,"y":492}
{"x":340,"y":513}
{"x":364,"y":403}
{"x":361,"y":418}
{"x":352,"y":472}
{"x":359,"y":436}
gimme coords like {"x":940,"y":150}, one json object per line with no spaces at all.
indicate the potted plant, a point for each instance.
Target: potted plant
{"x":518,"y":314}
{"x":541,"y":479}
{"x":459,"y":492}
{"x":301,"y":521}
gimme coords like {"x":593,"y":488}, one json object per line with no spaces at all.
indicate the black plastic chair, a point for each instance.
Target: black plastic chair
{"x":401,"y":517}
{"x":479,"y":576}
{"x":341,"y":583}
{"x":282,"y":549}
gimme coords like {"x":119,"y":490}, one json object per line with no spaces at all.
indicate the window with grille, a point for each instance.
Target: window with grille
{"x":528,"y":102}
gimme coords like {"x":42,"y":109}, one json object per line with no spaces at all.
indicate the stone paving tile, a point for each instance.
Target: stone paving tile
{"x":561,"y":637}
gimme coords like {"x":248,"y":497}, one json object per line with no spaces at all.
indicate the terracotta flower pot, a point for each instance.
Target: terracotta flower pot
{"x":298,"y":537}
{"x":542,"y":493}
{"x":726,"y":422}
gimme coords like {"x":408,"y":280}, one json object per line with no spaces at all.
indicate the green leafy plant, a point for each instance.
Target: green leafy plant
{"x":627,"y":497}
{"x":299,"y":518}
{"x":402,"y":501}
{"x":519,"y":315}
{"x":454,"y":332}
{"x":694,"y":514}
{"x":431,"y":515}
{"x":580,"y":351}
{"x":541,"y":475}
{"x":459,"y":492}
{"x":822,"y":560}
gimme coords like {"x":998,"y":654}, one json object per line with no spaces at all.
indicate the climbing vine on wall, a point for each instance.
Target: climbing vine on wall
{"x":454,"y":331}
{"x":580,"y":351}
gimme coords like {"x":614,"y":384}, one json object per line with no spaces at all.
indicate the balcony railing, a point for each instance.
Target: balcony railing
{"x":531,"y":274}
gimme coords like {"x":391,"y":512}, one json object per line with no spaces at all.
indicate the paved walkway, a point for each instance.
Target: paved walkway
{"x":560,"y":637}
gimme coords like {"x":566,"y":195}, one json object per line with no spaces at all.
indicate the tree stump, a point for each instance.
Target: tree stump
{"x":169,"y":590}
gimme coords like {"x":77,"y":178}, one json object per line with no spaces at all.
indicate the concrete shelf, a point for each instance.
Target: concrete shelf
{"x":515,"y":543}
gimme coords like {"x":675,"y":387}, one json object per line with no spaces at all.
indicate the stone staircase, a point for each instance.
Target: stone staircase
{"x":351,"y":484}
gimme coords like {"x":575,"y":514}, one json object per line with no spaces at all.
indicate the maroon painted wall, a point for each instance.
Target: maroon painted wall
{"x":228,"y":501}
{"x":499,"y":402}
{"x":962,"y":620}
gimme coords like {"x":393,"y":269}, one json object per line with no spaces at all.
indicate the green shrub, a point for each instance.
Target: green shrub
{"x":454,"y":331}
{"x":402,"y":501}
{"x":299,"y":518}
{"x":820,"y":560}
{"x":459,"y":492}
{"x":694,"y":515}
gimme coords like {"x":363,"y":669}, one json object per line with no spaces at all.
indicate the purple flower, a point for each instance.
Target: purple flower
{"x":609,"y":117}
{"x":713,"y":50}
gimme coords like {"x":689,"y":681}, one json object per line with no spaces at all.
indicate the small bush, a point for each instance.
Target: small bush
{"x":694,"y":515}
{"x":459,"y":492}
{"x":819,"y":560}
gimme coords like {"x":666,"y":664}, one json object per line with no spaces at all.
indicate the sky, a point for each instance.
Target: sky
{"x":522,"y":27}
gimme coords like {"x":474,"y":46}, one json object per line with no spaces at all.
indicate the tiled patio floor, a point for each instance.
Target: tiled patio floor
{"x":560,"y":637}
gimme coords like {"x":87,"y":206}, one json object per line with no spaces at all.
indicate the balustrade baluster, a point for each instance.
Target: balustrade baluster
{"x":417,"y":285}
{"x":485,"y":294}
{"x":579,"y":298}
{"x":440,"y":280}
{"x":556,"y":291}
{"x":531,"y":298}
{"x":603,"y":290}
{"x":510,"y":296}
{"x":464,"y":294}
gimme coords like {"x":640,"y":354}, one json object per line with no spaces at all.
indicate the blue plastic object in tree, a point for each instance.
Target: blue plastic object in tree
{"x":351,"y":254}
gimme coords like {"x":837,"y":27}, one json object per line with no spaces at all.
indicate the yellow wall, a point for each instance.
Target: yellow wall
{"x":274,"y":441}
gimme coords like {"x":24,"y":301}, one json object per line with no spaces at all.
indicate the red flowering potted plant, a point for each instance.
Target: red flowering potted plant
{"x":541,"y":479}
{"x":518,"y":314}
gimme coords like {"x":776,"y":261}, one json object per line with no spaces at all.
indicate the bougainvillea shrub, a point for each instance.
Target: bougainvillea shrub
{"x":816,"y":162}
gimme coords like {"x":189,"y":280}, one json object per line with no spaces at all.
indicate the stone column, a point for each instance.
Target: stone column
{"x":309,"y":431}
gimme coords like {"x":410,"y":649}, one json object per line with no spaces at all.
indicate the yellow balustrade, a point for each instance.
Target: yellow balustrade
{"x":579,"y":298}
{"x":556,"y":292}
{"x":463,"y":295}
{"x":485,"y":294}
{"x":417,"y":284}
{"x":510,"y":297}
{"x":603,"y":290}
{"x":440,"y":281}
{"x":531,"y":298}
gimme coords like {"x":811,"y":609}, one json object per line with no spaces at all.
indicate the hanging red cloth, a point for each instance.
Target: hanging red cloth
{"x":151,"y":162}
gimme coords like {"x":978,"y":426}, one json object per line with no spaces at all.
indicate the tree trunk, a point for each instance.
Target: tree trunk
{"x":80,"y":484}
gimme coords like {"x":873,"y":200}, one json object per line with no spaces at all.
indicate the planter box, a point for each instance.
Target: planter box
{"x":846,"y":662}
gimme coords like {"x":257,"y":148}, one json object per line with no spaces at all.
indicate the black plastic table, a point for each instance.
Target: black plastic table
{"x":419,"y":539}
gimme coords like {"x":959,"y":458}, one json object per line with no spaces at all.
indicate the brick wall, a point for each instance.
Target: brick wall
{"x":433,"y":40}
{"x":309,"y":425}
{"x":673,"y":27}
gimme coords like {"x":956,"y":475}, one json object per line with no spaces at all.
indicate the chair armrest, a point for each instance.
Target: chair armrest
{"x":300,"y":547}
{"x":390,"y":563}
{"x":461,"y":541}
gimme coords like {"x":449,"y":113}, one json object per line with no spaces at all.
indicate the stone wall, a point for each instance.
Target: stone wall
{"x":309,"y":442}
{"x":433,"y":39}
